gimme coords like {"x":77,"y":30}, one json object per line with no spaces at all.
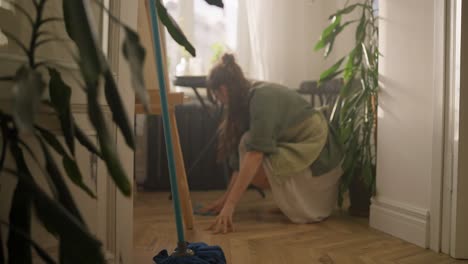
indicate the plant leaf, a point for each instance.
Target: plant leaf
{"x":367,"y":173}
{"x":218,"y":3}
{"x":5,"y":139}
{"x":330,"y":46}
{"x":344,"y":11}
{"x":134,"y":53}
{"x":328,"y":33}
{"x":69,"y":164}
{"x":350,"y":67}
{"x":64,"y":194}
{"x":330,"y":71}
{"x":366,"y":55}
{"x":52,"y":140}
{"x":28,"y":91}
{"x":40,"y":251}
{"x":173,"y":28}
{"x":61,"y":222}
{"x":347,"y":87}
{"x":85,"y":141}
{"x":361,"y":28}
{"x":19,"y":250}
{"x":70,"y":230}
{"x":2,"y":255}
{"x":60,"y":94}
{"x":119,"y":114}
{"x":74,"y":174}
{"x":77,"y":16}
{"x":105,"y":142}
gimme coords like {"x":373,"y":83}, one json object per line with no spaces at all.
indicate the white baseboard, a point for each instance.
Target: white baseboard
{"x":400,"y":220}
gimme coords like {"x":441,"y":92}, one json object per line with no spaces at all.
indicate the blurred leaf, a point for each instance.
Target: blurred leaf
{"x":16,"y":40}
{"x":330,"y":46}
{"x":361,"y":29}
{"x":19,"y":249}
{"x":39,"y":250}
{"x":52,"y":140}
{"x":366,"y":55}
{"x":367,"y":173}
{"x":119,"y":114}
{"x":61,"y":222}
{"x":27,"y":90}
{"x":328,"y":33}
{"x":134,"y":53}
{"x":5,"y":139}
{"x":18,"y":7}
{"x":2,"y":255}
{"x":106,"y":142}
{"x":349,"y":67}
{"x":330,"y":71}
{"x":85,"y":141}
{"x":344,"y":11}
{"x":345,"y":133}
{"x":347,"y":87}
{"x":74,"y":174}
{"x":173,"y":28}
{"x":70,"y":231}
{"x":60,"y":94}
{"x":77,"y":15}
{"x":218,"y":3}
{"x":64,"y":194}
{"x":69,"y":164}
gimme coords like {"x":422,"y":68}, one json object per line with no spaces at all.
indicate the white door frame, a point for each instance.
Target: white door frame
{"x":120,"y":213}
{"x":451,"y":157}
{"x":439,"y":122}
{"x":445,"y":219}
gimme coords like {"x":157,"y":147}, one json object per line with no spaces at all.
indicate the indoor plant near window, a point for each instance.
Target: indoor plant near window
{"x":354,"y":114}
{"x":57,"y":211}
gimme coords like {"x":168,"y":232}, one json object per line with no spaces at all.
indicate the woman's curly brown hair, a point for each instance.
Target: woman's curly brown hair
{"x":228,"y":73}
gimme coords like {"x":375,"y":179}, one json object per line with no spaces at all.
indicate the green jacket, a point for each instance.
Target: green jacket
{"x":285,"y":127}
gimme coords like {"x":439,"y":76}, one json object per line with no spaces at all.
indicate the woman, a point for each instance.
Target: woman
{"x":277,"y":136}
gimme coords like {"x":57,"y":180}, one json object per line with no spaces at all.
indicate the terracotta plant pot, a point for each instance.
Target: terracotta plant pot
{"x":359,"y":198}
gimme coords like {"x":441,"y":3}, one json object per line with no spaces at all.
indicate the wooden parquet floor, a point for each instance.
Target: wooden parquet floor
{"x":264,"y":237}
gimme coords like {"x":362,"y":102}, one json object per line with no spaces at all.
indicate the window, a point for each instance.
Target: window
{"x":210,"y":29}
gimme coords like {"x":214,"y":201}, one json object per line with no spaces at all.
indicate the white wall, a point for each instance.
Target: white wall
{"x":406,"y":119}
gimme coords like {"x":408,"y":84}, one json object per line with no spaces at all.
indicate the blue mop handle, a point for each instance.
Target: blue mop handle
{"x":166,"y":122}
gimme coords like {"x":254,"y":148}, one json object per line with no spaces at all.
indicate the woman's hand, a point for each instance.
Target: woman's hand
{"x":223,"y":222}
{"x":213,"y":208}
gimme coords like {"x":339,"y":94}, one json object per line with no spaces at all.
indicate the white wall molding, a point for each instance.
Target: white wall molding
{"x":401,"y":220}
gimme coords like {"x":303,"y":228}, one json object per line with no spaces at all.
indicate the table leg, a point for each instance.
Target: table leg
{"x":185,"y":200}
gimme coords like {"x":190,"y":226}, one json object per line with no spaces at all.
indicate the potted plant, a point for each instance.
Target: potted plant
{"x":354,"y":115}
{"x":38,"y":79}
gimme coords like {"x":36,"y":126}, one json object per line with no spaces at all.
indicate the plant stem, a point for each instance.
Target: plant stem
{"x":35,"y":29}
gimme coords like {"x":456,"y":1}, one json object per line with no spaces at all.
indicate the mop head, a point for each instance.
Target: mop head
{"x":202,"y":254}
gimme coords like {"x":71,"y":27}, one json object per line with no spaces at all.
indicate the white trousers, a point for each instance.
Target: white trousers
{"x":303,"y":198}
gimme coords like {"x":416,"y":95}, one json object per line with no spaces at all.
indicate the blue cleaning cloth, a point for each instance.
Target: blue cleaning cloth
{"x":204,"y":254}
{"x":198,"y":207}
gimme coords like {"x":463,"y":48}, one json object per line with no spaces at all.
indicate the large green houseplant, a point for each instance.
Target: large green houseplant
{"x":354,"y":113}
{"x":35,"y":80}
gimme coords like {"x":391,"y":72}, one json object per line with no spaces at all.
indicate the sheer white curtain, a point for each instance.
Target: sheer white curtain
{"x":276,"y":39}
